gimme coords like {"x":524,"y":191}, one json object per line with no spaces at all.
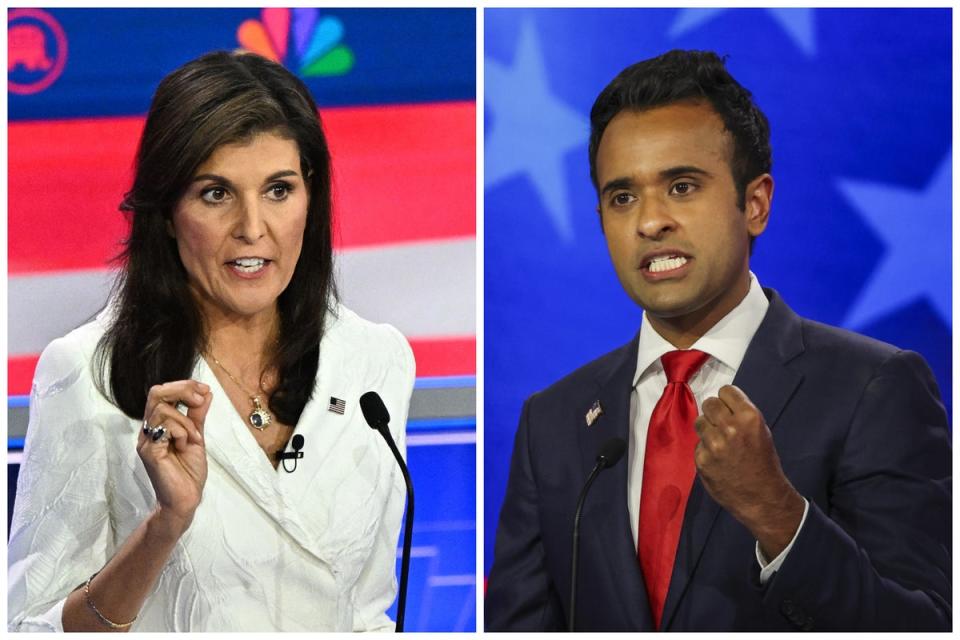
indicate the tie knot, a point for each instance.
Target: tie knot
{"x":681,"y":365}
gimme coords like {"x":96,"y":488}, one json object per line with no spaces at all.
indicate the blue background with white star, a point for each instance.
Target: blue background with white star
{"x":859,"y":103}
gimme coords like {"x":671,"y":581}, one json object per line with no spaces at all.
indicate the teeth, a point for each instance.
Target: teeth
{"x":666,"y":263}
{"x":249,"y":265}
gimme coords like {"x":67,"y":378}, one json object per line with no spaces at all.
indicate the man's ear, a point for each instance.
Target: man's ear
{"x":758,"y":197}
{"x":600,"y":219}
{"x":170,"y":230}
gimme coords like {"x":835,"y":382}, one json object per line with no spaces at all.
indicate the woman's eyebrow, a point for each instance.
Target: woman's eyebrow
{"x":282,"y":174}
{"x":213,"y":177}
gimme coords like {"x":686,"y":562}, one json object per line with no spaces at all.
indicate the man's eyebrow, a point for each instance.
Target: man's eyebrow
{"x":666,"y":174}
{"x":674,"y":172}
{"x":616,"y":183}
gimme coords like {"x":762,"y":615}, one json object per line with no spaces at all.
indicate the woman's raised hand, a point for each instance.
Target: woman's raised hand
{"x":176,"y":462}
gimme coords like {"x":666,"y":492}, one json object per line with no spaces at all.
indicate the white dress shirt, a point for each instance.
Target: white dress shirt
{"x":726,"y":343}
{"x":312,"y":550}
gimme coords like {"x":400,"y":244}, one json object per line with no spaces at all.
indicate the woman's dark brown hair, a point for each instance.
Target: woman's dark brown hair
{"x":157,"y":333}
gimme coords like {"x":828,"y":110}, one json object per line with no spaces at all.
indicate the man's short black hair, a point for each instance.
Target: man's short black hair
{"x":678,"y":76}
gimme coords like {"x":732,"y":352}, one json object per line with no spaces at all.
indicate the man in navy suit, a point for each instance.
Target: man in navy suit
{"x":818,"y":492}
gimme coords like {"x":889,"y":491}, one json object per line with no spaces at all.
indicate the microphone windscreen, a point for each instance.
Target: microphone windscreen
{"x":374,"y":411}
{"x":297,"y":443}
{"x":611,"y":451}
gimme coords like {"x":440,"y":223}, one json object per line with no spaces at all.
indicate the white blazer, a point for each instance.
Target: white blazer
{"x":267,"y":550}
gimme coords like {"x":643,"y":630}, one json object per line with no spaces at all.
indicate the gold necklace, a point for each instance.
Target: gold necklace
{"x":259,"y":418}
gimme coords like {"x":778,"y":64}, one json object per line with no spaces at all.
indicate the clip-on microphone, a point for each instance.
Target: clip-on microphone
{"x":296,"y":454}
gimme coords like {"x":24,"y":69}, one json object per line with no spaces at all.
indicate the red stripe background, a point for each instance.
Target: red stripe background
{"x":401,"y":173}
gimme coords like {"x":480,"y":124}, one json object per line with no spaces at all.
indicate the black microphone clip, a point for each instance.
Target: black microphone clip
{"x":296,"y":454}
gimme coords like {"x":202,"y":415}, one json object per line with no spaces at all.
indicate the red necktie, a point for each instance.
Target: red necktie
{"x":668,"y":471}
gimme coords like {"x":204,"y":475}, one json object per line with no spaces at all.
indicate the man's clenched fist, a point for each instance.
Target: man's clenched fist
{"x":740,"y":468}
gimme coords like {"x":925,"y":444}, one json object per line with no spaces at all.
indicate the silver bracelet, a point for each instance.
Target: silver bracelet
{"x":103,"y":619}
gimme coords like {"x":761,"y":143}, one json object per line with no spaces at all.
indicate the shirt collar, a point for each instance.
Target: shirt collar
{"x":726,"y":341}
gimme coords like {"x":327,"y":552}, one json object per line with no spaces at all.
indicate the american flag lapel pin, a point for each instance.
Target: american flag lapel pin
{"x":337,"y":405}
{"x":595,"y":412}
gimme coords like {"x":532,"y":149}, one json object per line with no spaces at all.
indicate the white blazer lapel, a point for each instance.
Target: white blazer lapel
{"x":230,"y":445}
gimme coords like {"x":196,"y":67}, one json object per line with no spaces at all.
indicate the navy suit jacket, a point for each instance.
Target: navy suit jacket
{"x":861,"y":433}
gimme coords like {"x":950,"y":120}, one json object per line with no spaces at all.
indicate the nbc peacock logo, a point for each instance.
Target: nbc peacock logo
{"x":317,"y":46}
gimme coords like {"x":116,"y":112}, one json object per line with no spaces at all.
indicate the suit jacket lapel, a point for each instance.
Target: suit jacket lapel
{"x":763,"y":375}
{"x":769,"y":384}
{"x":610,"y":526}
{"x":233,"y":448}
{"x":230,"y":445}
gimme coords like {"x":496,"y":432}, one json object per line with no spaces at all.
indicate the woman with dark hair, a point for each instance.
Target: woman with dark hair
{"x":151,"y":497}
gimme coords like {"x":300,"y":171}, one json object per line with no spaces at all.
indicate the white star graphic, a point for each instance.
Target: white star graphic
{"x":798,"y":23}
{"x":915,"y":227}
{"x":532,"y":129}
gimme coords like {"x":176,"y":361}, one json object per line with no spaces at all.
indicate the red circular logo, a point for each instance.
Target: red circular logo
{"x":36,"y":50}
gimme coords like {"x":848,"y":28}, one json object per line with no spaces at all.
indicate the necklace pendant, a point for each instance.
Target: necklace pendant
{"x":259,"y":418}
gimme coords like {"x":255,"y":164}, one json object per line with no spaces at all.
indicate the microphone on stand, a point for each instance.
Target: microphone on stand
{"x":377,"y":416}
{"x":610,"y":453}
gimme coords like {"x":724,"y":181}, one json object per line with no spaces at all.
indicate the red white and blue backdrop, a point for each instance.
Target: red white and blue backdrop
{"x":859,"y":103}
{"x":396,"y":91}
